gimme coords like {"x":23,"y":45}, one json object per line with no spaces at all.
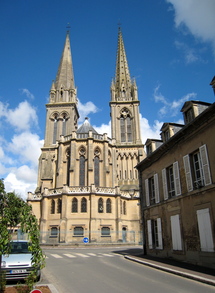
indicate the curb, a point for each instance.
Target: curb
{"x":173,"y":271}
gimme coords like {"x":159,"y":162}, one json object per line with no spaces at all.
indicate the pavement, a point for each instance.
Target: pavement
{"x":194,"y":272}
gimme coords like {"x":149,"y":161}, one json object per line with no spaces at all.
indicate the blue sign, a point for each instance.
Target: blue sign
{"x":85,"y":240}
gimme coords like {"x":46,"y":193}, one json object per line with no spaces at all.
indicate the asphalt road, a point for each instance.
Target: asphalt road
{"x":81,"y":270}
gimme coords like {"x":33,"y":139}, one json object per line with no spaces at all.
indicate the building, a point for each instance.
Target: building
{"x":177,"y":188}
{"x":87,"y":184}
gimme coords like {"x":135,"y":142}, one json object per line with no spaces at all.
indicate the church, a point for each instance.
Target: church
{"x":88,"y":187}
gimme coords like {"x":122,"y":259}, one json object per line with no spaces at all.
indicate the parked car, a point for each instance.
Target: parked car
{"x":17,"y":265}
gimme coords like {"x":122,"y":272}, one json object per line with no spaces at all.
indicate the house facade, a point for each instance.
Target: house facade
{"x":177,"y":188}
{"x":87,"y":184}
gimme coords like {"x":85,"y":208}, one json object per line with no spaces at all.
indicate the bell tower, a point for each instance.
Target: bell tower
{"x":124,"y":103}
{"x":61,"y":111}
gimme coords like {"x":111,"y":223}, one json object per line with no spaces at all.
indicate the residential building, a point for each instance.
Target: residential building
{"x":177,"y":188}
{"x":87,"y":184}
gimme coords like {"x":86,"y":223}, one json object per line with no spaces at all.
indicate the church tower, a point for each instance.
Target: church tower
{"x":62,"y":113}
{"x":125,"y":121}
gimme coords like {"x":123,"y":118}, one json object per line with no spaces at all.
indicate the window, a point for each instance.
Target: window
{"x":189,"y":115}
{"x":52,"y":206}
{"x":105,"y":231}
{"x":54,"y":232}
{"x":55,"y":130}
{"x":68,"y":167}
{"x":126,"y":126}
{"x":205,"y":230}
{"x":108,"y":205}
{"x":154,"y":234}
{"x":100,"y":206}
{"x":82,"y":171}
{"x":78,"y":231}
{"x":176,"y":233}
{"x":59,"y":205}
{"x":124,"y":208}
{"x":197,"y":169}
{"x":74,"y":205}
{"x":171,"y":181}
{"x":152,"y":190}
{"x":83,"y":205}
{"x":64,"y":126}
{"x":96,"y":171}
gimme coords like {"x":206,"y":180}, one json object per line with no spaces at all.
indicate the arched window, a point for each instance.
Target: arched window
{"x":120,"y":206}
{"x":68,"y":167}
{"x":55,"y":130}
{"x":59,"y":205}
{"x":108,"y":205}
{"x":126,"y":126}
{"x":82,"y":171}
{"x":74,"y":205}
{"x":78,"y":231}
{"x":52,"y":206}
{"x":100,"y":206}
{"x":124,"y":207}
{"x":96,"y":171}
{"x":83,"y":205}
{"x":105,"y":231}
{"x":64,"y":125}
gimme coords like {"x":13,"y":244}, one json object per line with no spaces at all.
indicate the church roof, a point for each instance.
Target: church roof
{"x":86,"y":127}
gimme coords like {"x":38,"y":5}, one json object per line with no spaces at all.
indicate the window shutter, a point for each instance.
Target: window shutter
{"x":176,"y":233}
{"x":205,"y":164}
{"x":176,"y":178}
{"x":188,"y":173}
{"x":147,"y":191}
{"x":157,"y":195}
{"x":205,"y":230}
{"x":160,"y":241}
{"x":149,"y":227}
{"x":165,"y":190}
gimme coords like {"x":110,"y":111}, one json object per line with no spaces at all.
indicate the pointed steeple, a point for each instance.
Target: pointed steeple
{"x":63,"y":89}
{"x":122,"y":88}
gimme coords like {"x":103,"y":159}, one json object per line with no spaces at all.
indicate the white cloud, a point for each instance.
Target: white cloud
{"x":22,"y":117}
{"x":21,"y":181}
{"x":197,"y":16}
{"x":86,"y":109}
{"x":104,"y":128}
{"x":190,"y":54}
{"x":149,"y":131}
{"x":171,"y":107}
{"x":27,"y":93}
{"x":27,"y":146}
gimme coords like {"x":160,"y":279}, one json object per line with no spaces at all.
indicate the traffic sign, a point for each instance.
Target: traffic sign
{"x":85,"y":240}
{"x":36,"y":291}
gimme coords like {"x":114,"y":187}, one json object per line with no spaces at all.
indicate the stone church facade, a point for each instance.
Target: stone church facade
{"x":87,"y":184}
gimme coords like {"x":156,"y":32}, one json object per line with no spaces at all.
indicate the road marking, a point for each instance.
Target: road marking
{"x":82,"y":255}
{"x":107,"y":254}
{"x":56,"y":255}
{"x":69,"y":255}
{"x":92,"y":254}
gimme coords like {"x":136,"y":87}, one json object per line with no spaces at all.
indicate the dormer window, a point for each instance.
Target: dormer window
{"x":189,"y":116}
{"x":166,"y":135}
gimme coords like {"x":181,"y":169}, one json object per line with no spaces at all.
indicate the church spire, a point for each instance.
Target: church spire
{"x":63,"y":89}
{"x":122,"y":88}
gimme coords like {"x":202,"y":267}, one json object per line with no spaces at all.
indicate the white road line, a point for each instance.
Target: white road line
{"x":91,"y":254}
{"x":106,"y":254}
{"x":82,"y":255}
{"x":69,"y":255}
{"x":56,"y":255}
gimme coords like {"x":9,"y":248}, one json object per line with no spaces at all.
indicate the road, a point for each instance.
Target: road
{"x":81,"y":270}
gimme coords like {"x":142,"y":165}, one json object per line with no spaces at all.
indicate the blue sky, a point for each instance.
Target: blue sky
{"x":170,"y":47}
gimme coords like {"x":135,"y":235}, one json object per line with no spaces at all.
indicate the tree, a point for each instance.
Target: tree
{"x":15,"y":211}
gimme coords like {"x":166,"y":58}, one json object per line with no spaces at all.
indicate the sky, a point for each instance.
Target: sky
{"x":170,"y":48}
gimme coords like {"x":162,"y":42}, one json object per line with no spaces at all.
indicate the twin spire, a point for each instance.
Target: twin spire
{"x":122,"y":87}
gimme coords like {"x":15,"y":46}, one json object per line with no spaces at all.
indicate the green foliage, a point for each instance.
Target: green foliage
{"x":15,"y":211}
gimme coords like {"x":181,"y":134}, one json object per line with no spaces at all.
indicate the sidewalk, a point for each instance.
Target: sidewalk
{"x":201,"y":274}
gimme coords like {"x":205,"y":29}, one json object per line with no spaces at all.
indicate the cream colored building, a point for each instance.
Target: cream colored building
{"x":87,"y":183}
{"x":177,"y":180}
